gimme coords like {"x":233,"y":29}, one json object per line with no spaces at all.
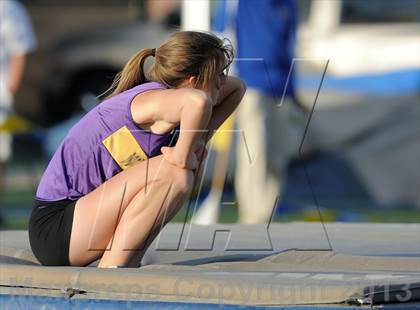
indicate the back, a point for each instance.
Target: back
{"x":104,"y":142}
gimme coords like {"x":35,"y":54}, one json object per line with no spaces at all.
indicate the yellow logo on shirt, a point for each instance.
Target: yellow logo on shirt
{"x":124,"y":148}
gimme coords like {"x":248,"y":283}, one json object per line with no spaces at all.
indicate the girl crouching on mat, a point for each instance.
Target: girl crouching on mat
{"x":116,"y":179}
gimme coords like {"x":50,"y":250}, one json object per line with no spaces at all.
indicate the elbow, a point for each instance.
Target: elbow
{"x":242,"y":87}
{"x":239,"y":85}
{"x":240,"y":90}
{"x":238,"y":82}
{"x":202,"y":104}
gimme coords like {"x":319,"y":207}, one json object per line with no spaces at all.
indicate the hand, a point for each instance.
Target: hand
{"x":171,"y":155}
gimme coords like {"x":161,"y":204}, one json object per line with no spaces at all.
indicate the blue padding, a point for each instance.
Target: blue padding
{"x":390,"y":83}
{"x":24,"y":302}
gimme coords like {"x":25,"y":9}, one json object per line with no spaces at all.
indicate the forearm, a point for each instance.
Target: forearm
{"x":226,"y":107}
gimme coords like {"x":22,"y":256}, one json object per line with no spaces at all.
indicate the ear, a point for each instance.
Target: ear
{"x":191,"y":81}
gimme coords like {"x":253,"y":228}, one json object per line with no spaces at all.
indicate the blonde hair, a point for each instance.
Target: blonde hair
{"x":184,"y":54}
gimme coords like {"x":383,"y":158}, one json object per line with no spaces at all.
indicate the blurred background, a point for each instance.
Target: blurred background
{"x":361,"y":151}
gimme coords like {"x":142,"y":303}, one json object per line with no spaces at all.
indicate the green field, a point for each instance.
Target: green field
{"x":18,"y":205}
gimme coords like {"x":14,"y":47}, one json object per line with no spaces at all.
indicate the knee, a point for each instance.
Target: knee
{"x":182,"y":180}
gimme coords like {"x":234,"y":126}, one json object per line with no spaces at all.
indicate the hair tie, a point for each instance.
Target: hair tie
{"x":153,"y":52}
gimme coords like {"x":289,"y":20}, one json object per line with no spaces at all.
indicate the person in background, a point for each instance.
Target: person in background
{"x":265,"y":38}
{"x":270,"y":131}
{"x":17,"y":39}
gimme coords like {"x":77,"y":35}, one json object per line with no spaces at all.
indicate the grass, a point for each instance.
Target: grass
{"x":15,"y":224}
{"x":18,"y":197}
{"x":19,"y":203}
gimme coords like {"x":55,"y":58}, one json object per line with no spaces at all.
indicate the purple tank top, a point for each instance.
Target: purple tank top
{"x":103,"y":143}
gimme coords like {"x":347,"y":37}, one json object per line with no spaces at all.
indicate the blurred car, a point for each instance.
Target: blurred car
{"x":83,"y":65}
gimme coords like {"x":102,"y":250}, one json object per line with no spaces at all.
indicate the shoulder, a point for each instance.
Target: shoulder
{"x":163,"y":104}
{"x":166,"y":96}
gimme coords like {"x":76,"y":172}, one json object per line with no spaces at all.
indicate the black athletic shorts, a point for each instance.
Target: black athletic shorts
{"x":49,"y":231}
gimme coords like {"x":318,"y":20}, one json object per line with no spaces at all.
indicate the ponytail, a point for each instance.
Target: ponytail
{"x":132,"y":74}
{"x":182,"y":55}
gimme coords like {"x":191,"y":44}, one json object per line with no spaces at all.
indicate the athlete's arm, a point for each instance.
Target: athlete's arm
{"x":194,"y":117}
{"x":189,"y":107}
{"x":230,"y":96}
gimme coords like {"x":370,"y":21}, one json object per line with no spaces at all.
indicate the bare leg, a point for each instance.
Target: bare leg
{"x":141,"y":221}
{"x":98,"y":214}
{"x":165,"y":215}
